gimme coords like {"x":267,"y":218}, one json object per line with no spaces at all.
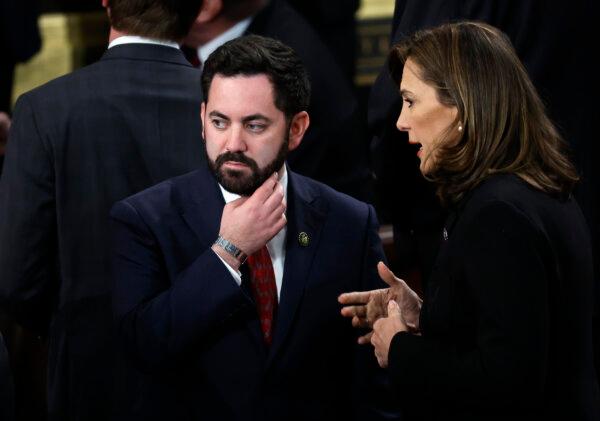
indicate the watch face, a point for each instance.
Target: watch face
{"x":231,"y":249}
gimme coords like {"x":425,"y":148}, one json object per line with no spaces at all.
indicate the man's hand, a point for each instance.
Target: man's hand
{"x":384,"y":330}
{"x":250,"y":222}
{"x":4,"y":127}
{"x":366,"y":307}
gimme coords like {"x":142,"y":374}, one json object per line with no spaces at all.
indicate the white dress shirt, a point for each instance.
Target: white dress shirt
{"x":234,"y":32}
{"x":134,"y":39}
{"x":276,"y":246}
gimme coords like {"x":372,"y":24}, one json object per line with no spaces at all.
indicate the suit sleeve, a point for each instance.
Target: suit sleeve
{"x":159,"y":321}
{"x":506,"y":275}
{"x":28,"y":255}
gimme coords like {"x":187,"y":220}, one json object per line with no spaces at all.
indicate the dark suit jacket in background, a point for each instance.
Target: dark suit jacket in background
{"x":181,"y":315}
{"x":7,"y":390}
{"x":334,"y":150}
{"x":507,"y":328}
{"x":19,"y":33}
{"x":77,"y":145}
{"x":19,"y":40}
{"x":335,"y":22}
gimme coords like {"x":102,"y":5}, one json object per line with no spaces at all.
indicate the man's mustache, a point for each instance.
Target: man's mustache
{"x":235,"y":157}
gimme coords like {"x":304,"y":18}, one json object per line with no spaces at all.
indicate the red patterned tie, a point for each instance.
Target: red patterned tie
{"x":264,"y":290}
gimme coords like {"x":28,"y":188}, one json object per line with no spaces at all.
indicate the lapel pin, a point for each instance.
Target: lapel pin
{"x":445,"y":234}
{"x":303,"y":239}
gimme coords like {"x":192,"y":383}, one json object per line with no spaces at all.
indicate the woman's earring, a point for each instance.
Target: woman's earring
{"x":460,"y":128}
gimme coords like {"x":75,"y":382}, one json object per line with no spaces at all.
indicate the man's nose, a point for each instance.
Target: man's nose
{"x":236,"y":142}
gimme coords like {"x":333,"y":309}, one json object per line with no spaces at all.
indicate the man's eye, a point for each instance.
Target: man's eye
{"x":219,"y":124}
{"x":255,"y":127}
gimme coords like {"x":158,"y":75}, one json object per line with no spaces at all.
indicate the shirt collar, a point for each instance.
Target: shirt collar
{"x":235,"y":31}
{"x":230,"y":197}
{"x":134,"y":39}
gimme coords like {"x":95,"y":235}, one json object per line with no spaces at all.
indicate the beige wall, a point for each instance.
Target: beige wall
{"x":68,"y":40}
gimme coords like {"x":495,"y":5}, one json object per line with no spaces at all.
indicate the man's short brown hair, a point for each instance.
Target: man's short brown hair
{"x":160,"y":19}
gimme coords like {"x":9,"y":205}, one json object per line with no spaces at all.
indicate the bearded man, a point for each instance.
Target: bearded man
{"x":227,"y":278}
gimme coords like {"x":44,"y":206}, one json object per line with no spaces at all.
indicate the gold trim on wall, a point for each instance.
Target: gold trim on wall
{"x":67,"y":40}
{"x":375,"y":9}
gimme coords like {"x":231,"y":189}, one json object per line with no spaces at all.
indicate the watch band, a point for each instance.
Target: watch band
{"x":231,"y":249}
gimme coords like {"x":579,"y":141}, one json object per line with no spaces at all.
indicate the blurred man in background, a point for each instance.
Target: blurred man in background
{"x":78,"y":144}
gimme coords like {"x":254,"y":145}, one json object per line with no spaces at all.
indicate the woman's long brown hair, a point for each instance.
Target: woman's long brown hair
{"x":474,"y":67}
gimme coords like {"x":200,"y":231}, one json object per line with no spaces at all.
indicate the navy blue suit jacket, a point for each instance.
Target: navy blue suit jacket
{"x":181,"y":315}
{"x":77,"y":145}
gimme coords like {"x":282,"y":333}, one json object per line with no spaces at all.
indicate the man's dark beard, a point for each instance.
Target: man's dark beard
{"x":237,"y":181}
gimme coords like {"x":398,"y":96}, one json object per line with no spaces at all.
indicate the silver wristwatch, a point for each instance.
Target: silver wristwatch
{"x":231,"y":249}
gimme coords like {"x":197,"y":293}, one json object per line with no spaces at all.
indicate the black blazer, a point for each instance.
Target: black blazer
{"x":182,"y":317}
{"x":334,"y":149}
{"x":77,"y":145}
{"x":506,"y":326}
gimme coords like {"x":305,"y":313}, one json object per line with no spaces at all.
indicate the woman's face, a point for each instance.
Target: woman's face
{"x":423,"y":116}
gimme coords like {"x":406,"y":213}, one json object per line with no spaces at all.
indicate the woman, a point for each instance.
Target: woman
{"x":505,"y":328}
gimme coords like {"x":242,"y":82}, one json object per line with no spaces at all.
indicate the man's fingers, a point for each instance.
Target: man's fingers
{"x":358,"y":297}
{"x":265,"y":190}
{"x":386,"y":274}
{"x":277,"y":213}
{"x":278,"y":225}
{"x":237,"y":202}
{"x":276,"y":199}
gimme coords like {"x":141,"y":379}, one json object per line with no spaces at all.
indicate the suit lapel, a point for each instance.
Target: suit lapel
{"x":305,"y":215}
{"x":201,"y":203}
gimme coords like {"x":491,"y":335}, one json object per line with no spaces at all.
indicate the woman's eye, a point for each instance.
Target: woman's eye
{"x":408,"y":102}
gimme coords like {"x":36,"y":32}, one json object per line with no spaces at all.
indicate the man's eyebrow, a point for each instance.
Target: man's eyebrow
{"x":218,"y":114}
{"x":254,"y":117}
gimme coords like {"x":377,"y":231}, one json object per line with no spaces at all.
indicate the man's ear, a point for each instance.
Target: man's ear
{"x":210,"y":10}
{"x":203,"y":118}
{"x":298,"y":126}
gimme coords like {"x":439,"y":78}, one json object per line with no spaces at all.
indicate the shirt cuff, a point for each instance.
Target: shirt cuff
{"x":237,"y":275}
